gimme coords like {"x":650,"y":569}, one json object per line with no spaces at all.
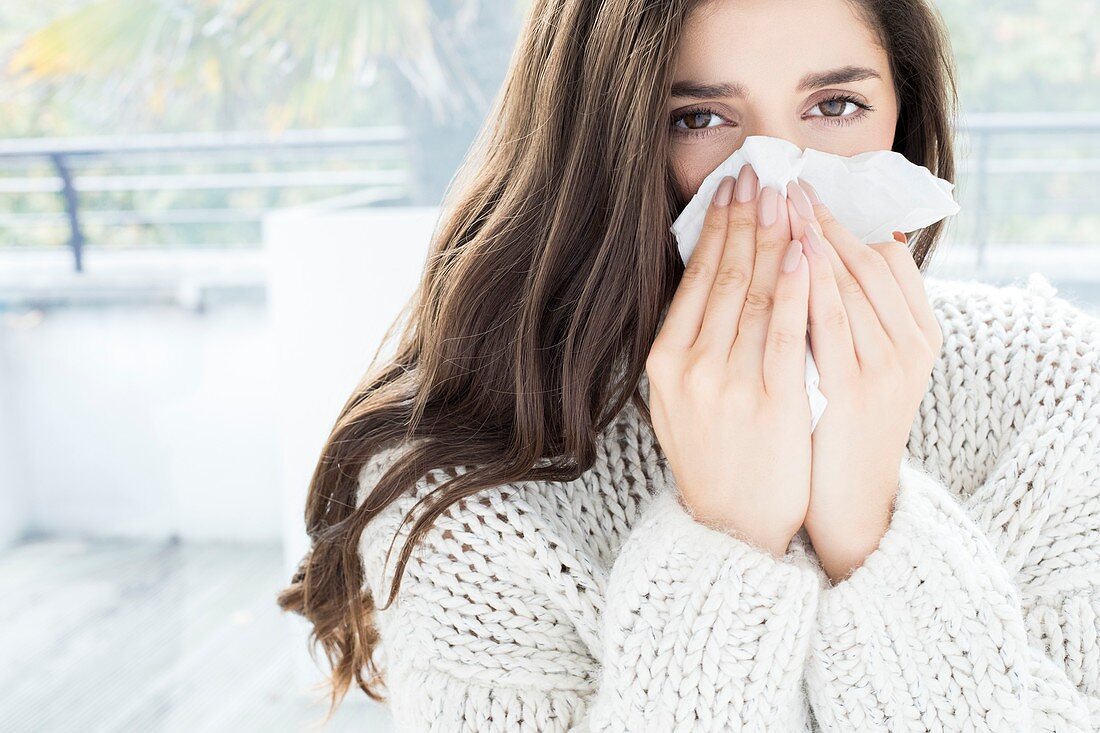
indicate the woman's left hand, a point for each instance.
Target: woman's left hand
{"x":875,"y":340}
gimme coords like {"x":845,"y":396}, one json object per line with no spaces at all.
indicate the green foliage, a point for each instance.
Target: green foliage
{"x":1026,"y":55}
{"x":228,"y":64}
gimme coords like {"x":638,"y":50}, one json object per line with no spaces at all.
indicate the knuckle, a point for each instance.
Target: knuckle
{"x":771,"y":244}
{"x":780,"y":340}
{"x":713,"y":226}
{"x":758,"y":301}
{"x":662,"y":367}
{"x":824,"y":216}
{"x":836,"y":319}
{"x":700,"y":372}
{"x":695,"y":272}
{"x":892,"y":378}
{"x":657,"y":360}
{"x":731,"y":278}
{"x":741,"y":221}
{"x":848,"y":285}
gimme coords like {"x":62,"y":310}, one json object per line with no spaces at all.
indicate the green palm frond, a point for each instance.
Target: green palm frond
{"x":292,"y":59}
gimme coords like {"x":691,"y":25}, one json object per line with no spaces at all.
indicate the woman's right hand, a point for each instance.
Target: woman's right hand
{"x":727,"y":371}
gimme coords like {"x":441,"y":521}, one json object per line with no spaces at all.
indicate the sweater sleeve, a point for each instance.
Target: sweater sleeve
{"x":703,"y":631}
{"x":502,"y":624}
{"x":980,"y":613}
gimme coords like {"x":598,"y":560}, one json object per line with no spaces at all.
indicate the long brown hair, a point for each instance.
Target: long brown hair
{"x":545,"y":284}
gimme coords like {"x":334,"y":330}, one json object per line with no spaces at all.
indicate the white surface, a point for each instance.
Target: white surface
{"x":138,"y":422}
{"x":336,"y":281}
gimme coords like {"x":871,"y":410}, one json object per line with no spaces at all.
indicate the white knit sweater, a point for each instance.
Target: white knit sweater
{"x":600,"y":605}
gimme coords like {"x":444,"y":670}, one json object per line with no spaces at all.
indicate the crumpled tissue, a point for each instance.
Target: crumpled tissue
{"x":873,"y":194}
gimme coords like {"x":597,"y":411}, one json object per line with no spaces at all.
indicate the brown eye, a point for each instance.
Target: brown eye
{"x":698,"y":120}
{"x":834,"y":107}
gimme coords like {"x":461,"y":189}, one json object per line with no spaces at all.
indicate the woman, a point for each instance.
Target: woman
{"x":620,"y":519}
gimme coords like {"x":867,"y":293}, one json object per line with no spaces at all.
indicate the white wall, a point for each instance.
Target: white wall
{"x":336,"y":281}
{"x":139,"y":422}
{"x":14,"y":481}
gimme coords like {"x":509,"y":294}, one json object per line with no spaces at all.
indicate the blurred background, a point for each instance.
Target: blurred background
{"x":210,"y":212}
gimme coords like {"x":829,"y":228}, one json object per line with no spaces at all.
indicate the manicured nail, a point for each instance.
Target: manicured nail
{"x":811,"y":194}
{"x":724,"y":192}
{"x":798,"y":198}
{"x":794,"y":252}
{"x":769,"y":206}
{"x":797,"y":223}
{"x":746,"y":184}
{"x":813,"y":239}
{"x":900,"y":236}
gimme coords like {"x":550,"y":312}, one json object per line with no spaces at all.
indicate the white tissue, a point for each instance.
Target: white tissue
{"x":873,"y":194}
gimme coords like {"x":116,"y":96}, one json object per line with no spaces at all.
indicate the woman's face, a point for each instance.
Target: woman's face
{"x":777,"y":67}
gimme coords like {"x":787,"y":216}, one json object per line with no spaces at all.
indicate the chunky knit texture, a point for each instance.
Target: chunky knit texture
{"x":600,"y":604}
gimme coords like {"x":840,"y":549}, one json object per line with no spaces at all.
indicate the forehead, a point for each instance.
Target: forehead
{"x":760,"y":40}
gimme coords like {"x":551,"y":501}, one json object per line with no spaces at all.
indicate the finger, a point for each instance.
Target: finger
{"x":875,"y":277}
{"x":900,"y":259}
{"x":830,"y":331}
{"x":871,"y":344}
{"x":773,"y":235}
{"x":689,"y":302}
{"x":732,"y":281}
{"x":784,"y":360}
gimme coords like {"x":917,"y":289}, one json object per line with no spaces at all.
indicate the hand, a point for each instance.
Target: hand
{"x":727,"y":372}
{"x":875,"y":340}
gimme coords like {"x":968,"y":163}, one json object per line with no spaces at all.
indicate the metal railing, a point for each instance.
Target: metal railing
{"x":373,"y":169}
{"x":375,"y":148}
{"x":978,"y":166}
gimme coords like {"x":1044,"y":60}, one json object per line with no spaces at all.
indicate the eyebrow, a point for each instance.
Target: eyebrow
{"x":732,"y":89}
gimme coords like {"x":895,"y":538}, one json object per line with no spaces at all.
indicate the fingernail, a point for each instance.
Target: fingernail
{"x":769,"y":206}
{"x":794,"y":251}
{"x":746,"y":184}
{"x":796,"y":221}
{"x":798,"y":198}
{"x":724,"y":192}
{"x":813,"y":239}
{"x":900,"y":236}
{"x":811,"y":194}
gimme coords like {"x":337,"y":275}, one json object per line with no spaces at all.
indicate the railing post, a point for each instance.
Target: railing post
{"x":72,"y":208}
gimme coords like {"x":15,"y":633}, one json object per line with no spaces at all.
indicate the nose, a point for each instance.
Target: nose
{"x":778,"y":131}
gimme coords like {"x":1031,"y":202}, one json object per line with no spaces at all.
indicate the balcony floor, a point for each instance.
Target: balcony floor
{"x":145,"y":636}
